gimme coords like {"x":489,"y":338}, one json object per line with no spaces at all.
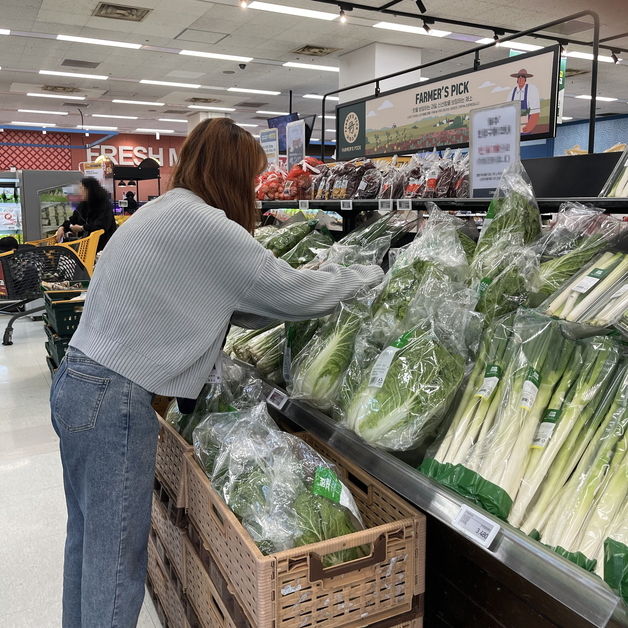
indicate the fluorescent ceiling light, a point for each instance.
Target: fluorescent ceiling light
{"x":99,"y":42}
{"x":600,"y":98}
{"x":40,"y":95}
{"x":567,"y":118}
{"x":256,"y":137}
{"x":172,"y":120}
{"x":247,"y":126}
{"x":485,"y":40}
{"x":327,"y":117}
{"x":588,"y":55}
{"x":104,"y":115}
{"x":330,"y":130}
{"x":315,"y":139}
{"x":170,"y":84}
{"x":91,"y":127}
{"x":424,"y":78}
{"x":272,"y":113}
{"x":210,"y":108}
{"x":311,"y":66}
{"x":5,"y":31}
{"x":319,"y":97}
{"x":516,"y":45}
{"x":42,"y":124}
{"x":155,"y":130}
{"x":97,"y":77}
{"x":137,"y":102}
{"x":49,"y":113}
{"x":214,"y":55}
{"x":280,"y":8}
{"x":253,"y":91}
{"x":416,"y":30}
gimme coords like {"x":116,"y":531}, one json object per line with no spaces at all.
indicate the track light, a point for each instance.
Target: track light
{"x":343,"y":16}
{"x":495,"y":36}
{"x":426,"y":28}
{"x":420,"y":6}
{"x":244,"y":4}
{"x":614,"y":57}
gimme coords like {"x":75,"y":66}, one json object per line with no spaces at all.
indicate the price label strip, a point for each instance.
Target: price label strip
{"x":258,"y":204}
{"x":304,"y":204}
{"x":277,"y":399}
{"x":385,"y":205}
{"x":348,"y":205}
{"x":404,"y":204}
{"x":476,"y":526}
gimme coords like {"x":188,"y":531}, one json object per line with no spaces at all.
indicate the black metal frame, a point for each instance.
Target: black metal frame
{"x":475,"y":51}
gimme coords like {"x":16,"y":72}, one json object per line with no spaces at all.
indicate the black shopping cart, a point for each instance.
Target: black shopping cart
{"x":22,"y":272}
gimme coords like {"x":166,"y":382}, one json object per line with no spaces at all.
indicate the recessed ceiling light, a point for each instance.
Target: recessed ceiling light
{"x":272,"y":113}
{"x":104,"y":115}
{"x":588,"y":55}
{"x":311,"y":66}
{"x":424,"y":78}
{"x":214,"y":55}
{"x":600,"y":98}
{"x":416,"y":30}
{"x":247,"y":126}
{"x":97,"y":77}
{"x":253,"y":91}
{"x":318,"y":97}
{"x":155,"y":130}
{"x":170,"y":84}
{"x":137,"y":102}
{"x":99,"y":42}
{"x":49,"y":113}
{"x":40,"y":95}
{"x":42,"y":124}
{"x":516,"y":45}
{"x":210,"y":108}
{"x":5,"y":31}
{"x":91,"y":127}
{"x":172,"y":120}
{"x":485,"y":40}
{"x":280,"y":8}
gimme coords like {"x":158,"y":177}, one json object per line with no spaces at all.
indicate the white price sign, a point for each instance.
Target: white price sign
{"x":494,"y":136}
{"x":277,"y":398}
{"x":304,"y":204}
{"x":385,"y":205}
{"x":476,"y":526}
{"x":346,"y":205}
{"x":404,"y":204}
{"x":258,"y":204}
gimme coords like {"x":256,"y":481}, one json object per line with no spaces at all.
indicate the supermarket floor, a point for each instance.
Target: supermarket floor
{"x":33,"y":517}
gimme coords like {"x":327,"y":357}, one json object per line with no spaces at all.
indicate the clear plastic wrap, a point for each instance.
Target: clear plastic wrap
{"x":288,"y":236}
{"x":263,"y":233}
{"x":319,"y":184}
{"x":460,"y":182}
{"x":298,"y":334}
{"x":270,"y":185}
{"x":348,"y":177}
{"x":414,"y":177}
{"x":613,"y":563}
{"x":240,"y":345}
{"x":392,"y":183}
{"x":298,"y":184}
{"x":284,"y":492}
{"x":369,"y":186}
{"x":393,"y":224}
{"x":308,"y":248}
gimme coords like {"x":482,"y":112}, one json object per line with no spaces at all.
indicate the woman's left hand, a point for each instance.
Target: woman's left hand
{"x":76,"y":228}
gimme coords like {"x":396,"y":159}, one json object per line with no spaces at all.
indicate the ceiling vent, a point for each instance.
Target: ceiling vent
{"x":570,"y":28}
{"x":252,"y":105}
{"x":77,"y":63}
{"x":120,"y":12}
{"x":314,"y":51}
{"x":202,"y":101}
{"x":73,"y":105}
{"x":182,"y":112}
{"x":60,"y":89}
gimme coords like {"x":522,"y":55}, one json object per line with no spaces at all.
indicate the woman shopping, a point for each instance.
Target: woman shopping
{"x":94,"y":212}
{"x":157,"y":310}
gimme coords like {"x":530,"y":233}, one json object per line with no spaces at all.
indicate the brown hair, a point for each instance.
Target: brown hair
{"x":219,"y":162}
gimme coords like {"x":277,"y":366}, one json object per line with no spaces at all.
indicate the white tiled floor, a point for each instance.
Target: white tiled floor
{"x":32,"y":506}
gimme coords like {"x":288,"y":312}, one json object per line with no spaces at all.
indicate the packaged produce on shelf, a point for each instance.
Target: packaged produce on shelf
{"x":394,"y":224}
{"x":298,"y":182}
{"x":262,"y":234}
{"x":284,"y":493}
{"x":460,"y":182}
{"x":259,"y":345}
{"x":347,"y":178}
{"x":369,"y":185}
{"x":414,"y":178}
{"x":318,"y":190}
{"x":308,"y":248}
{"x":239,"y":342}
{"x":288,"y":236}
{"x":597,"y":296}
{"x":612,"y":563}
{"x":270,"y":185}
{"x":392,"y":183}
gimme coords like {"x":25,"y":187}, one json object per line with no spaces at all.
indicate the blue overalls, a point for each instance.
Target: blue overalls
{"x":525,"y":109}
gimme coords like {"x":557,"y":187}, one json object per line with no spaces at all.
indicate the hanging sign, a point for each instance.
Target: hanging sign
{"x":269,"y":139}
{"x":493,"y":146}
{"x":436,"y":113}
{"x":295,"y":142}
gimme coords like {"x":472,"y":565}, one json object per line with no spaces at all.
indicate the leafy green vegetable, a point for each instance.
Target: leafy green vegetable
{"x":258,"y":346}
{"x":392,"y":224}
{"x":467,"y":244}
{"x":262,"y":234}
{"x":288,"y":237}
{"x":308,"y":248}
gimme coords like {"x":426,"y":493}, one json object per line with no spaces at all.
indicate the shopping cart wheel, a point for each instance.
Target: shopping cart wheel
{"x":7,"y":339}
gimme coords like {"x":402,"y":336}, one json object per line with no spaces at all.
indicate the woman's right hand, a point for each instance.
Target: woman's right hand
{"x":59,"y":234}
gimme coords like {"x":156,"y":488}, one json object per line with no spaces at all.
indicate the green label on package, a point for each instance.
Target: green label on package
{"x":484,"y":284}
{"x":402,"y":341}
{"x":530,"y":388}
{"x":545,"y":428}
{"x":326,"y":484}
{"x":493,"y":370}
{"x":492,"y":375}
{"x":586,"y":283}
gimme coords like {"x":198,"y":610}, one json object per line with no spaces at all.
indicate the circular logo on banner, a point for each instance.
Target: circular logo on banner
{"x":351,"y":127}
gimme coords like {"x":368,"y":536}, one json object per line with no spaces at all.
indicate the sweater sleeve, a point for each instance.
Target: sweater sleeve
{"x":282,"y":292}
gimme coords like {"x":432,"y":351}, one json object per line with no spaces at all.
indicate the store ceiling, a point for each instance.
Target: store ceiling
{"x":270,"y":38}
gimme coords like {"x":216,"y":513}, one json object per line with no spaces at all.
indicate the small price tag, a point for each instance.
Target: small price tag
{"x":476,"y":526}
{"x":258,"y":204}
{"x":346,"y":205}
{"x":277,"y":399}
{"x":385,"y":204}
{"x":404,"y":204}
{"x":304,"y":204}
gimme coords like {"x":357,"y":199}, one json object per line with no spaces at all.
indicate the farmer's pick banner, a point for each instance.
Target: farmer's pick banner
{"x":436,"y":113}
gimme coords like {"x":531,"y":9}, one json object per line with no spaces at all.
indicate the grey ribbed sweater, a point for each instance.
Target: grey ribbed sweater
{"x":169,"y":281}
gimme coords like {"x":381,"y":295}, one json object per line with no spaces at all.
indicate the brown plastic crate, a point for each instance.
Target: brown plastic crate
{"x":172,"y":538}
{"x":170,"y":462}
{"x":290,"y":589}
{"x":206,"y":603}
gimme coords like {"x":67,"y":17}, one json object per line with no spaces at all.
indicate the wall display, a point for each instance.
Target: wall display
{"x":295,"y":142}
{"x":269,"y":139}
{"x":436,"y":113}
{"x":617,"y":184}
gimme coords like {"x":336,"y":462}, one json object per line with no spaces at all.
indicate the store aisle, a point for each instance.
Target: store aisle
{"x":32,"y":522}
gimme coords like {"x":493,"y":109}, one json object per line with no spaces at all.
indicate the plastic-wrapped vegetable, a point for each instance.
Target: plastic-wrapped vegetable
{"x":393,"y":224}
{"x":392,"y":183}
{"x":614,"y":561}
{"x":284,"y":492}
{"x":319,"y":184}
{"x":308,"y":248}
{"x":460,"y":183}
{"x":512,"y":212}
{"x":369,"y":186}
{"x":347,"y":178}
{"x":347,"y":255}
{"x":413,"y":178}
{"x":270,"y":185}
{"x":446,"y":176}
{"x":289,"y":236}
{"x":258,"y":346}
{"x":298,"y":185}
{"x":263,"y":233}
{"x":298,"y":334}
{"x":240,"y":346}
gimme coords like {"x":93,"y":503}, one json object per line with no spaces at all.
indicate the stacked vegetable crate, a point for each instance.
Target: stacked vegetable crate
{"x":200,"y":552}
{"x":61,"y":320}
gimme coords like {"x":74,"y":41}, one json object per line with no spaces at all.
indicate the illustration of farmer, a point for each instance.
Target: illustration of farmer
{"x":528,"y":95}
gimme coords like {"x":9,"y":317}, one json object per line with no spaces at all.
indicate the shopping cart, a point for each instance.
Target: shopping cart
{"x":22,"y":272}
{"x":85,"y":248}
{"x":49,"y":241}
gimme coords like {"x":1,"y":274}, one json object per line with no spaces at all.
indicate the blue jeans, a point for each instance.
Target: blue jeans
{"x":107,"y":437}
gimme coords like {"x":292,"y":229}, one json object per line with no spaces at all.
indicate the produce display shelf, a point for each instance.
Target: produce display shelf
{"x":612,"y":205}
{"x":582,"y":593}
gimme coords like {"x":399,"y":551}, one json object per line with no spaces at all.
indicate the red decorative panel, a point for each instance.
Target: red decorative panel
{"x":35,"y":157}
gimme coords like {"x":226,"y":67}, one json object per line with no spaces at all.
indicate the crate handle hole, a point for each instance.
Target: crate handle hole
{"x":357,"y":483}
{"x":217,"y":515}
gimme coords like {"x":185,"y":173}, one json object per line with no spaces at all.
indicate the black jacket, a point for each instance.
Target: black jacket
{"x":92,"y":218}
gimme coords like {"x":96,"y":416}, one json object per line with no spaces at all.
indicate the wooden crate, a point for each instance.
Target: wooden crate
{"x":290,"y":589}
{"x":170,"y":462}
{"x":172,"y":537}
